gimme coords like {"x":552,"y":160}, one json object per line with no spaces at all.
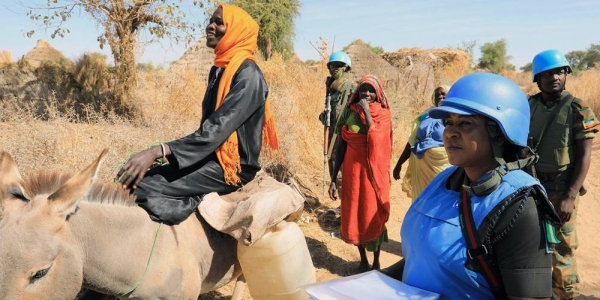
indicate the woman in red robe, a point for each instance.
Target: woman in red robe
{"x":364,"y":154}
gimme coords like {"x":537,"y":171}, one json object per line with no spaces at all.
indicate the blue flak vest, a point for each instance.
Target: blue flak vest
{"x":432,"y":241}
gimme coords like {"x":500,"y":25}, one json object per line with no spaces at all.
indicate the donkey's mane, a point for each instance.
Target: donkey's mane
{"x":100,"y":192}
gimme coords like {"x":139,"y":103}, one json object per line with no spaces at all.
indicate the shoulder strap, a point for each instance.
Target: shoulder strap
{"x":476,"y":251}
{"x":346,"y":85}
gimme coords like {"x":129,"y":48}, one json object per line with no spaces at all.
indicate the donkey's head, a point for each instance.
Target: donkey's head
{"x":39,"y":257}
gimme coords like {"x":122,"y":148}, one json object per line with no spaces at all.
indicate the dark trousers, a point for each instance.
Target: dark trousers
{"x":170,"y":195}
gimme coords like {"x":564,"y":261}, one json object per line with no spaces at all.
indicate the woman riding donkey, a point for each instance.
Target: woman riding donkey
{"x":79,"y":233}
{"x":222,"y":154}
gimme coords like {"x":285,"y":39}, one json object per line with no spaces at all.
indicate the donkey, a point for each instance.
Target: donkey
{"x":59,"y":233}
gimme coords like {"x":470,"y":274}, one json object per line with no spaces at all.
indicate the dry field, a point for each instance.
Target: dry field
{"x":170,"y":108}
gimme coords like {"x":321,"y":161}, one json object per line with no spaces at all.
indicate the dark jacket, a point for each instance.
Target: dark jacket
{"x":170,"y":193}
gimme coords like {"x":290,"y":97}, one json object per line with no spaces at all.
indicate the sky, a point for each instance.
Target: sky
{"x":528,"y":26}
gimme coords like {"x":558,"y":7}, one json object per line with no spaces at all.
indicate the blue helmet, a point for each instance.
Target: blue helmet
{"x":492,"y":96}
{"x":548,"y":60}
{"x":340,"y":57}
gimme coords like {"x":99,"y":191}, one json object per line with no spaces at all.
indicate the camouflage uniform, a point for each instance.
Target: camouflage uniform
{"x":555,"y":170}
{"x":339,"y":91}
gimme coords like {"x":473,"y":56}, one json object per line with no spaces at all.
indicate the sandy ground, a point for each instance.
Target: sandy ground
{"x":589,"y":240}
{"x":333,"y":258}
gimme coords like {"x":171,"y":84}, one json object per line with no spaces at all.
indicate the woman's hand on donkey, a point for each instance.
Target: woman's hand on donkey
{"x":132,"y":173}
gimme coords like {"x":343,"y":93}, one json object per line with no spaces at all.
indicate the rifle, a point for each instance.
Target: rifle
{"x":327,"y":117}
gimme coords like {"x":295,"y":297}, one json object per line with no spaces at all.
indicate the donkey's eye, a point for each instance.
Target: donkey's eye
{"x":17,"y":193}
{"x":20,"y":197}
{"x":39,"y":275}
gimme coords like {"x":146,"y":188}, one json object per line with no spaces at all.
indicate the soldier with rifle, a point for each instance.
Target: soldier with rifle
{"x":338,"y":87}
{"x":562,"y":128}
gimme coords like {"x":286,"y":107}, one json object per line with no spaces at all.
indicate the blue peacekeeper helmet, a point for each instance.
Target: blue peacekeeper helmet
{"x":493,"y":96}
{"x":548,"y":60}
{"x":340,"y":57}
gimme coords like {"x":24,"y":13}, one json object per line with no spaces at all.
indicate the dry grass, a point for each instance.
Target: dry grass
{"x":585,"y":86}
{"x":68,"y":139}
{"x":170,"y":107}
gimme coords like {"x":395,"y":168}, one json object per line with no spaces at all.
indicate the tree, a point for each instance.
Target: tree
{"x":526,"y":68}
{"x":593,"y":56}
{"x":311,"y":62}
{"x":145,"y":67}
{"x":121,"y":21}
{"x":577,"y":60}
{"x":376,"y":49}
{"x":494,"y":57}
{"x":276,"y":21}
{"x":581,"y":60}
{"x":468,"y":47}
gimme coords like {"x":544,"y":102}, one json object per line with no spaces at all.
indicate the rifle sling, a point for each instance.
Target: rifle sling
{"x":549,"y":121}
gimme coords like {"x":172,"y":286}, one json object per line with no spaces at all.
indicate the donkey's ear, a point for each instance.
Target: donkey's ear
{"x":65,"y":199}
{"x":8,"y":169}
{"x":9,"y":174}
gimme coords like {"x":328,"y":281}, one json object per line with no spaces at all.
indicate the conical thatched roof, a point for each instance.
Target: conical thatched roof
{"x":5,"y":57}
{"x":198,"y":59}
{"x":295,"y":59}
{"x":43,"y":52}
{"x":365,"y":61}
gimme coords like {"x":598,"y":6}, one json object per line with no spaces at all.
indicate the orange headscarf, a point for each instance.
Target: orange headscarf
{"x":237,"y":45}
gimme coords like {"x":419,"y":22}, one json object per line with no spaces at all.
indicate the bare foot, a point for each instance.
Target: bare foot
{"x":376,"y":266}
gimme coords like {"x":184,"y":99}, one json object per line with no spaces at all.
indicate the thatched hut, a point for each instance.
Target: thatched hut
{"x":44,"y":52}
{"x":429,"y":61}
{"x":436,"y":58}
{"x":295,"y":59}
{"x":428,"y":68}
{"x":365,"y":61}
{"x":197,"y":59}
{"x":5,"y":57}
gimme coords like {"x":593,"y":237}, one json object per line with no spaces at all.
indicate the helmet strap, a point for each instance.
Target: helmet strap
{"x":494,"y":131}
{"x":490,"y":181}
